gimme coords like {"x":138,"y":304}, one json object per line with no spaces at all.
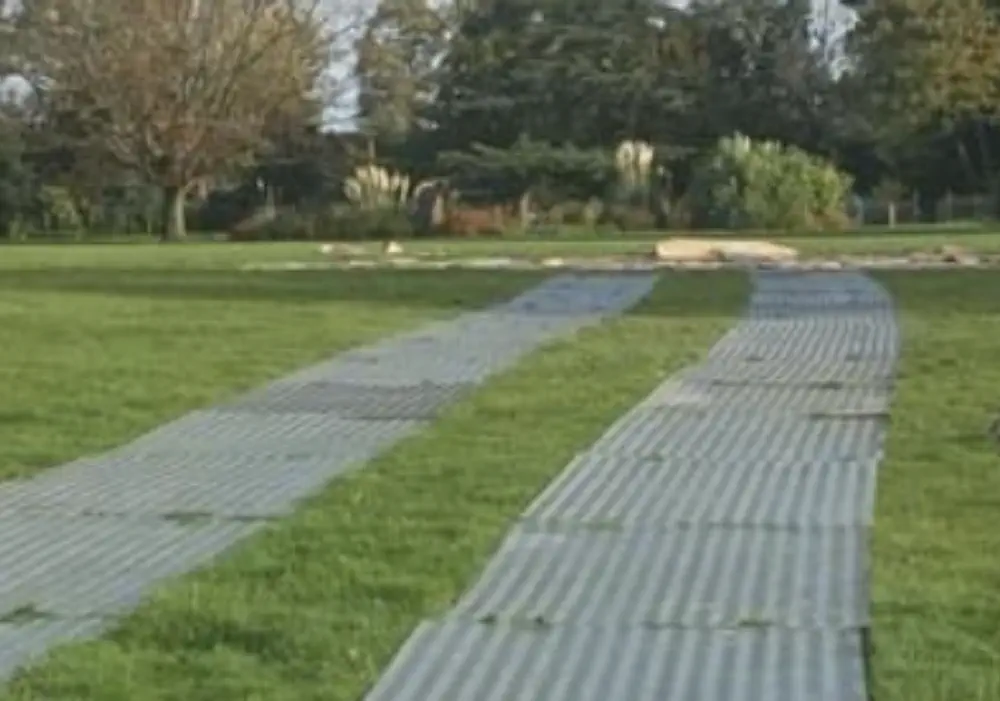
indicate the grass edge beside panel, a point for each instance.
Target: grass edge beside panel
{"x":315,"y":607}
{"x":936,"y":543}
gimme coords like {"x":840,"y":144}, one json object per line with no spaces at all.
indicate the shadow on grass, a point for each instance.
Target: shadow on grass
{"x":444,"y":289}
{"x":412,"y":288}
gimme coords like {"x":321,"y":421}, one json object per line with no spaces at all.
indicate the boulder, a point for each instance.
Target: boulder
{"x":680,"y":250}
{"x":392,"y":248}
{"x":957,"y":255}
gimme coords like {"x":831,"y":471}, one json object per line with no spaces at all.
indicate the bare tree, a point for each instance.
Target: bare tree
{"x":178,"y":91}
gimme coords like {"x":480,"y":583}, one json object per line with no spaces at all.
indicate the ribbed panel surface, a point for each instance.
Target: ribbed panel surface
{"x":711,"y":546}
{"x":84,"y":542}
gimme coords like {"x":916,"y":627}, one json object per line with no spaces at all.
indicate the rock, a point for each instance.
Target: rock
{"x":392,"y":248}
{"x":488,"y":263}
{"x":921,"y":257}
{"x":949,"y":253}
{"x":341,"y":249}
{"x":553,"y":263}
{"x":404,"y":262}
{"x":721,"y":250}
{"x":957,"y":255}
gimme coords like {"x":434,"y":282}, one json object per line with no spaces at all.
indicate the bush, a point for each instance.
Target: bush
{"x":765,"y":185}
{"x":353,"y":224}
{"x":337,"y":223}
{"x":625,"y":217}
{"x":679,"y":216}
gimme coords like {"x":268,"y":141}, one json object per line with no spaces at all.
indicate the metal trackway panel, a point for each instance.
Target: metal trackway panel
{"x":87,"y":540}
{"x":353,"y":401}
{"x":24,"y":642}
{"x":799,"y":399}
{"x":602,"y":490}
{"x":479,"y":344}
{"x":688,"y":577}
{"x":223,"y":485}
{"x":464,"y":661}
{"x":749,"y":435}
{"x":711,"y":546}
{"x":238,"y":432}
{"x":78,"y":567}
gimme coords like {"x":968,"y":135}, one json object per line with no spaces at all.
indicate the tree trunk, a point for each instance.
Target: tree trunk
{"x":174,"y":219}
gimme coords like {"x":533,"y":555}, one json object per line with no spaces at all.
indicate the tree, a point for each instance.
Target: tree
{"x":582,"y":72}
{"x":931,"y":70}
{"x":178,"y":92}
{"x":928,"y":59}
{"x":397,"y":56}
{"x":764,"y":75}
{"x":16,"y":175}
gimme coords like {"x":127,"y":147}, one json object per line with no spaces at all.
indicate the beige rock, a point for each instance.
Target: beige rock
{"x":392,"y":248}
{"x":716,"y":250}
{"x":341,"y":249}
{"x":956,"y":255}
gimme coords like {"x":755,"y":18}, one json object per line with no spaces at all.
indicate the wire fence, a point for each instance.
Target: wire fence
{"x":907,"y":211}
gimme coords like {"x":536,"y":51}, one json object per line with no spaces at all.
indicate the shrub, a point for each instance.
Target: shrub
{"x":337,"y":223}
{"x":765,"y":185}
{"x":353,"y":224}
{"x":679,"y":215}
{"x":625,"y":217}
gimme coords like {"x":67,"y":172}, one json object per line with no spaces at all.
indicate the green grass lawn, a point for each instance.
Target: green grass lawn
{"x":96,"y":350}
{"x":885,"y":242}
{"x":315,"y":607}
{"x":936,"y":591}
{"x":103,"y":342}
{"x":577,"y":243}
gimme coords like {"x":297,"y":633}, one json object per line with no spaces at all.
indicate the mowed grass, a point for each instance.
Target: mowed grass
{"x":96,"y":350}
{"x":936,"y":591}
{"x":314,"y":608}
{"x":577,"y":242}
{"x":861,"y":243}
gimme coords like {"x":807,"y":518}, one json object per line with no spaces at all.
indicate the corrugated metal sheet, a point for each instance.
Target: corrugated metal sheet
{"x":227,"y":485}
{"x":711,"y":546}
{"x":479,"y":344}
{"x":705,"y":577}
{"x":97,"y":566}
{"x":633,"y":492}
{"x":238,"y":432}
{"x":465,"y":661}
{"x":348,"y":400}
{"x":753,"y":436}
{"x":24,"y":642}
{"x":94,"y":536}
{"x":799,"y":399}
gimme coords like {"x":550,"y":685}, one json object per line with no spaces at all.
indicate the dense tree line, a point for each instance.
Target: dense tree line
{"x":144,"y":114}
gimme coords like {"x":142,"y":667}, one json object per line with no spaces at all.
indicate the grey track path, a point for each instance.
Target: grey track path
{"x":711,"y":546}
{"x":81,"y":544}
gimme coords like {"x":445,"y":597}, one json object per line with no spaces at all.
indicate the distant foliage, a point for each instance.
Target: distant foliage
{"x":331,"y":223}
{"x":745,"y":184}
